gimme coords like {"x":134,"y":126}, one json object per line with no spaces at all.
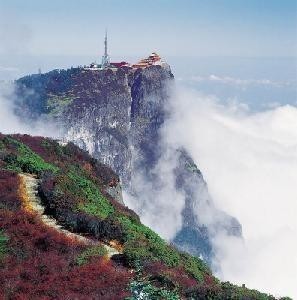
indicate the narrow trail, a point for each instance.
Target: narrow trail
{"x":32,"y":202}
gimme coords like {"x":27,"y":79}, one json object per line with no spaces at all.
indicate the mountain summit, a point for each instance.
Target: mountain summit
{"x":117,"y":115}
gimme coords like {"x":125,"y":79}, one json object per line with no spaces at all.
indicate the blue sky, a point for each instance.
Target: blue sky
{"x":171,"y":27}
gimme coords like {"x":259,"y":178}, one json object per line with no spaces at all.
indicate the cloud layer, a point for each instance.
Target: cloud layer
{"x":249,"y":162}
{"x":242,"y":82}
{"x":158,"y":203}
{"x":10,"y":123}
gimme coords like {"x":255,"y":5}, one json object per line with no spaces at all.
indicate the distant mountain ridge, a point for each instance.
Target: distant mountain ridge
{"x":117,"y":116}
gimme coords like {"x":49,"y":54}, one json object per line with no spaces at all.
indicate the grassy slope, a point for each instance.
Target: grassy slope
{"x":73,"y":189}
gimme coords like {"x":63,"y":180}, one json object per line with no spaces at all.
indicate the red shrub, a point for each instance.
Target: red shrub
{"x":41,"y":265}
{"x":41,"y":261}
{"x":177,"y":275}
{"x":9,"y":182}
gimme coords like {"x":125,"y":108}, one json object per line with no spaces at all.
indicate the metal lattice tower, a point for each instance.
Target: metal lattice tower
{"x":105,"y":58}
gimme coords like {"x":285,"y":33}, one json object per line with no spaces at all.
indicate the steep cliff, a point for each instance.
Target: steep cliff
{"x":117,"y":116}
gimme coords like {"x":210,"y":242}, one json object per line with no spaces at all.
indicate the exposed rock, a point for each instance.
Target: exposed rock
{"x":201,"y":219}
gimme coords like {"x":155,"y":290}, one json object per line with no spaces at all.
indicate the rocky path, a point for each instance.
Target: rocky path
{"x":34,"y":204}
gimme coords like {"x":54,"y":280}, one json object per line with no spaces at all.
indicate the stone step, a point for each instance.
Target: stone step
{"x":36,"y":204}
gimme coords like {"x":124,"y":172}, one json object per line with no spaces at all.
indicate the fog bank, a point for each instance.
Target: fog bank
{"x":11,"y":124}
{"x":249,"y":161}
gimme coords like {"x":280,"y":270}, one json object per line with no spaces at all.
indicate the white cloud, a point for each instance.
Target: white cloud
{"x":9,"y":69}
{"x":239,"y":81}
{"x":11,"y":124}
{"x":249,"y":162}
{"x":158,"y":203}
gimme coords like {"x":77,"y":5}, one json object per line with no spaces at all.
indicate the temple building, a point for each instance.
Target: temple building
{"x":152,"y":59}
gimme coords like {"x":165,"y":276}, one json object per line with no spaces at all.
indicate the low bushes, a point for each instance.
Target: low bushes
{"x":3,"y":245}
{"x":225,"y":291}
{"x":8,"y":192}
{"x":94,"y":202}
{"x":86,"y":255}
{"x":147,"y":291}
{"x":195,"y":266}
{"x":23,"y":159}
{"x":143,"y":243}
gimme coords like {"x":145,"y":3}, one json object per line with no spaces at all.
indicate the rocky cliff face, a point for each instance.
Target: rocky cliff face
{"x":117,"y":116}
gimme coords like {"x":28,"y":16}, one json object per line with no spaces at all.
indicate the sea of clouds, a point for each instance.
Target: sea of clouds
{"x":249,"y":161}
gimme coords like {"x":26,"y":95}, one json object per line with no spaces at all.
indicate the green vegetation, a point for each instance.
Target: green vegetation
{"x":237,"y":292}
{"x":195,"y":266}
{"x":96,"y":204}
{"x":75,"y":182}
{"x":26,"y":160}
{"x":85,"y":193}
{"x":86,"y":255}
{"x":2,"y":145}
{"x":3,"y":245}
{"x":146,"y":291}
{"x":56,"y":104}
{"x":142,"y":288}
{"x":54,"y":147}
{"x":143,"y":243}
